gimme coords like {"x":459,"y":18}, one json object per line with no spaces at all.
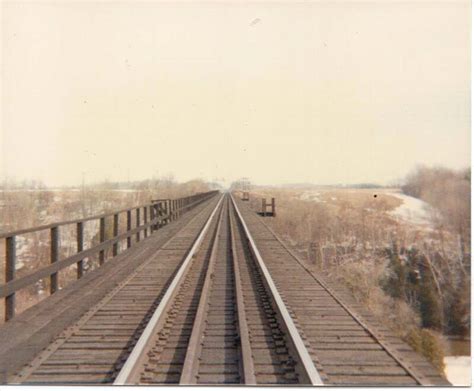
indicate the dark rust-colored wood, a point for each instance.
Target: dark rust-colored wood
{"x":152,"y":217}
{"x":80,"y":247}
{"x":145,"y":220}
{"x":264,"y":212}
{"x":102,"y":240}
{"x":10,"y":268}
{"x":115,"y":233}
{"x":53,"y":280}
{"x":129,"y":228}
{"x":137,"y":215}
{"x":168,"y":210}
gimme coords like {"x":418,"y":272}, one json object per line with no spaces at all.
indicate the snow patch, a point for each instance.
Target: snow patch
{"x":412,"y":209}
{"x":311,"y":196}
{"x":458,"y":370}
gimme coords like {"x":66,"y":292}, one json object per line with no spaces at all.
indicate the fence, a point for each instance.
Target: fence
{"x":148,"y":218}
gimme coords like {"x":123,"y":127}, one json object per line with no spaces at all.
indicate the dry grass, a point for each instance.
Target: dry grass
{"x":344,"y":234}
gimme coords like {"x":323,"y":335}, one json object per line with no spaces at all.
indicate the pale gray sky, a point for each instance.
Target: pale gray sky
{"x":323,"y":92}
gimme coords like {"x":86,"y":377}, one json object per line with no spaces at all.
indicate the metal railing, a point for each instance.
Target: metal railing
{"x":148,"y":218}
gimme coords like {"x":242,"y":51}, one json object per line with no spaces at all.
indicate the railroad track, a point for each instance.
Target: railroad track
{"x":93,"y":349}
{"x":222,"y":321}
{"x":347,"y":344}
{"x":223,"y":302}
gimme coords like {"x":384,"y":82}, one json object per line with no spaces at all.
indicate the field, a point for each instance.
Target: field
{"x":393,"y":251}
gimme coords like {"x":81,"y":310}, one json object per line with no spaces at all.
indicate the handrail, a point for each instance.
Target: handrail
{"x":154,"y":216}
{"x":24,"y":231}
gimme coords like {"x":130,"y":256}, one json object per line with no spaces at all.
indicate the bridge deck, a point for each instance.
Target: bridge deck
{"x":86,"y":332}
{"x":26,"y":335}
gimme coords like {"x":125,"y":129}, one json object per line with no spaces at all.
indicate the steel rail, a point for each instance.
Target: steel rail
{"x":304,"y":361}
{"x":246,"y":361}
{"x":386,"y":345}
{"x":69,"y":331}
{"x":130,"y":369}
{"x":191,"y":360}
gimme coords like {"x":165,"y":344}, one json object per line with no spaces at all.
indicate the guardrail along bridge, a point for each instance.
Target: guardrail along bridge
{"x":192,"y":291}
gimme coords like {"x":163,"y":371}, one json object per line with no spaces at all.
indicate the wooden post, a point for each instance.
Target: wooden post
{"x":53,"y":287}
{"x":168,"y":211}
{"x":152,"y":217}
{"x":116,"y":227}
{"x":138,"y":223}
{"x":273,"y":207}
{"x":10,"y":267}
{"x":80,"y":247}
{"x":101,"y":240}
{"x":145,"y":220}
{"x":129,"y":227}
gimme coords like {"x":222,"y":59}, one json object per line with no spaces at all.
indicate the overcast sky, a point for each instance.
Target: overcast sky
{"x":322,"y":92}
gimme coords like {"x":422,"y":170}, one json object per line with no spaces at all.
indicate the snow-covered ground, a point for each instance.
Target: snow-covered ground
{"x":458,"y":370}
{"x":413,"y":210}
{"x":311,"y":196}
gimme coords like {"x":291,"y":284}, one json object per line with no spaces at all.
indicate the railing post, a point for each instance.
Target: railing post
{"x":53,"y":287}
{"x":145,"y":220}
{"x":158,"y":215}
{"x":168,"y":210}
{"x":116,"y":226}
{"x":129,"y":227}
{"x":10,"y":267}
{"x":273,"y":208}
{"x":152,"y":217}
{"x":137,"y":211}
{"x":80,"y":247}
{"x":102,"y":240}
